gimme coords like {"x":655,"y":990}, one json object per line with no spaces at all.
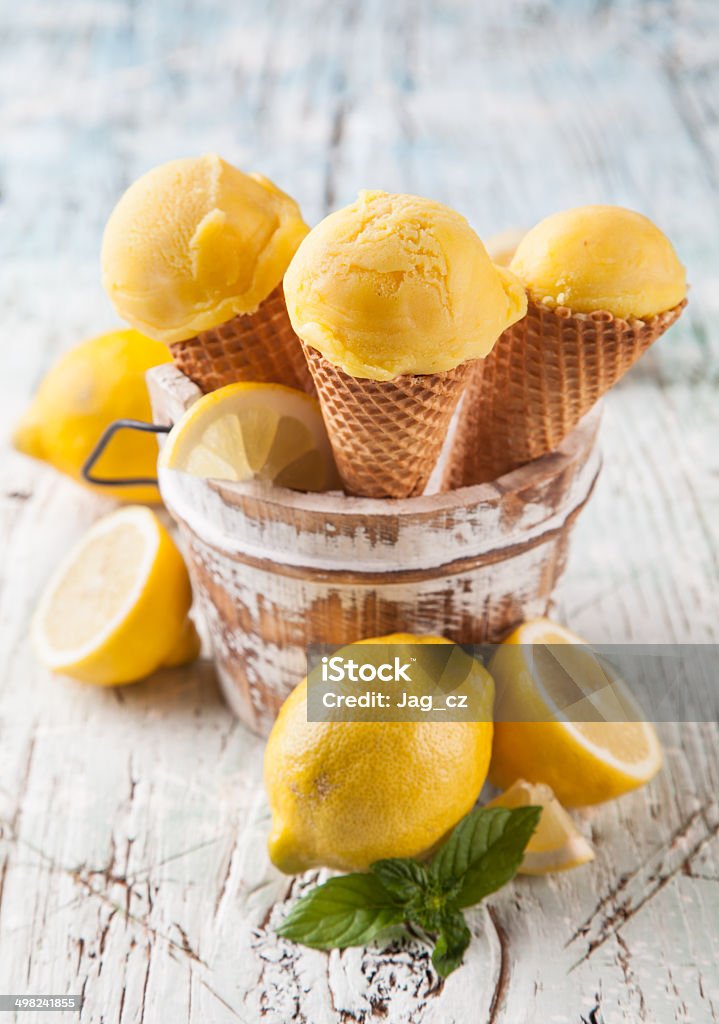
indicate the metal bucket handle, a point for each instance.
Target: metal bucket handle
{"x":107,"y":436}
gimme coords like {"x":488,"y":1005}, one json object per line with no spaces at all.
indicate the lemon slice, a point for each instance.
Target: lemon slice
{"x":261,"y":431}
{"x":564,"y":719}
{"x":557,"y":844}
{"x":116,"y":609}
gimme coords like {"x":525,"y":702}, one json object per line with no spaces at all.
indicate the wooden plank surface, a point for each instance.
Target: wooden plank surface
{"x":133,"y":822}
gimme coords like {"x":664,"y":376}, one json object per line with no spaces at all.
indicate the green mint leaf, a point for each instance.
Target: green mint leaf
{"x":484,"y":852}
{"x":424,"y":900}
{"x":428,"y":913}
{"x":403,"y":877}
{"x":452,"y":941}
{"x":346,"y":911}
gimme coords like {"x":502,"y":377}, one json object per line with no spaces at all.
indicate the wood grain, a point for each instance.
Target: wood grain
{"x":132,"y":863}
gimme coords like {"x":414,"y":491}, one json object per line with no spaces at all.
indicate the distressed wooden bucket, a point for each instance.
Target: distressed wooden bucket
{"x":275,"y":570}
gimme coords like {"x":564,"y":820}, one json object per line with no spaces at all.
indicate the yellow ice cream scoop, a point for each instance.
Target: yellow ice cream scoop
{"x":394,"y":285}
{"x":601,"y":258}
{"x":195,"y":242}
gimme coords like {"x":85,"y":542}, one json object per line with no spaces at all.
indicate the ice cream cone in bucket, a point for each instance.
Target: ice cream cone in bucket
{"x":603,"y":285}
{"x":258,"y":346}
{"x":542,"y":377}
{"x":193,"y":255}
{"x":395,"y":300}
{"x":386,"y":435}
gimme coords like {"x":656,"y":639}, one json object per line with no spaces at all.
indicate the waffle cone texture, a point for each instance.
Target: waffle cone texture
{"x":543,"y":375}
{"x":386,"y":435}
{"x":259,"y":346}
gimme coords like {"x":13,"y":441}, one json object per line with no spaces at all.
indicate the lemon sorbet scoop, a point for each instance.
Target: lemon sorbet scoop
{"x":394,"y":285}
{"x":195,"y":242}
{"x":601,"y":258}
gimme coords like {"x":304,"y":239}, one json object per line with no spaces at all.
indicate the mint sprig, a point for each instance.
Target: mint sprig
{"x":480,"y":856}
{"x":484,"y":851}
{"x":452,"y":940}
{"x":346,"y":911}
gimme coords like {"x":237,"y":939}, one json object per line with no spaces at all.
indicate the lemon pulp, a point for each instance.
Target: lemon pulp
{"x":117,"y":607}
{"x":254,"y":431}
{"x":565,"y":720}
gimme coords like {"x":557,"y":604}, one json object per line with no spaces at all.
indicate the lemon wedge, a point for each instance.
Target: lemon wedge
{"x":564,"y":719}
{"x":557,"y":844}
{"x":117,"y":607}
{"x":251,"y":431}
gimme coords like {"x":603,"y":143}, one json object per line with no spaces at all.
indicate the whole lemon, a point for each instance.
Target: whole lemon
{"x":344,"y":794}
{"x":96,"y":382}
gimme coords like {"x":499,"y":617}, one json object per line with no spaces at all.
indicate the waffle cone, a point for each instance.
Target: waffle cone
{"x":386,"y":435}
{"x":543,"y":375}
{"x":259,"y":346}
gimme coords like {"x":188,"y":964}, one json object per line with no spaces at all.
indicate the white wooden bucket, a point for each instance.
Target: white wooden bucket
{"x":276,"y":570}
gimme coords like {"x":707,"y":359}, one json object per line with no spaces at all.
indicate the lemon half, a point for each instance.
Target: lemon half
{"x":116,"y":609}
{"x":556,"y":844}
{"x":261,"y":431}
{"x":562,"y":720}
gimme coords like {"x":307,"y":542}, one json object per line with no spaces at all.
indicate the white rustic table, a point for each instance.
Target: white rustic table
{"x":133,"y":821}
